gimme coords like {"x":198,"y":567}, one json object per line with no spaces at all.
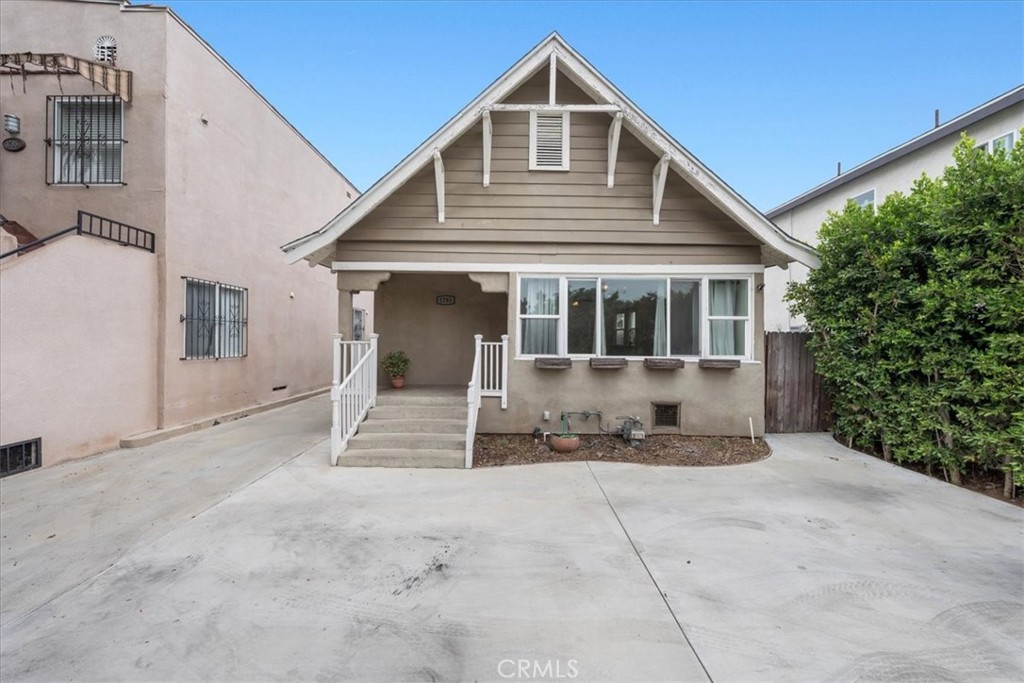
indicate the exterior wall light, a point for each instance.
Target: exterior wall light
{"x":12,"y":124}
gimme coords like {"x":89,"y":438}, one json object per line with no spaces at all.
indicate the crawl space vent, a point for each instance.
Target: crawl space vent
{"x":666,"y":414}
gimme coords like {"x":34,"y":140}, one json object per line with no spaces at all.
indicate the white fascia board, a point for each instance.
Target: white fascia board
{"x":551,"y":268}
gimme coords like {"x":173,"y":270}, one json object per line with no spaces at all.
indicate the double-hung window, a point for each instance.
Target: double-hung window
{"x":539,"y":313}
{"x":86,"y":137}
{"x":620,"y":315}
{"x":215,"y":320}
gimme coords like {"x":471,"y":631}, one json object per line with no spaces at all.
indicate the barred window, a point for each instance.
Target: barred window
{"x":86,"y":135}
{"x":215,"y":320}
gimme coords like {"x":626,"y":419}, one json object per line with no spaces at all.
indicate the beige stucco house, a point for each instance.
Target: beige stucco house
{"x":625,"y":274}
{"x":125,"y":113}
{"x":993,"y":125}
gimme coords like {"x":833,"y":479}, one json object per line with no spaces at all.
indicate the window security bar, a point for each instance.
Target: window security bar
{"x":216,"y":320}
{"x":86,"y":140}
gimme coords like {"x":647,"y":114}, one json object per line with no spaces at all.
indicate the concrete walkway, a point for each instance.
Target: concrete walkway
{"x":238,"y":554}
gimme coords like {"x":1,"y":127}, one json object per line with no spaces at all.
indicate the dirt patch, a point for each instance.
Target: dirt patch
{"x":496,"y":450}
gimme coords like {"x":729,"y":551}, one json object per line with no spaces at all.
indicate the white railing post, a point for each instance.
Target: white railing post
{"x":336,"y":399}
{"x":473,"y":399}
{"x":504,"y":371}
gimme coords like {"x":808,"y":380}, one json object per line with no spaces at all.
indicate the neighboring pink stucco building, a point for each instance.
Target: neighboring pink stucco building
{"x":100,"y":341}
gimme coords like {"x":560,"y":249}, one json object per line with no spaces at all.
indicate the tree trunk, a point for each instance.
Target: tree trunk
{"x":1007,"y":478}
{"x":954,"y":474}
{"x":887,"y":452}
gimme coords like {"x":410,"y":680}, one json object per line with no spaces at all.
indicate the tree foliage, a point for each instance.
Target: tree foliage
{"x":917,"y":314}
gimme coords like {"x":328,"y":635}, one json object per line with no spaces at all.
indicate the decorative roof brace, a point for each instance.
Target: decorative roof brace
{"x":613,"y":147}
{"x":488,"y":130}
{"x":439,"y":184}
{"x":658,"y":179}
{"x":115,"y":81}
{"x":552,"y":77}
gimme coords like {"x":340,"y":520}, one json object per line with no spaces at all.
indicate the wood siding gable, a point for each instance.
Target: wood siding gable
{"x":534,"y":214}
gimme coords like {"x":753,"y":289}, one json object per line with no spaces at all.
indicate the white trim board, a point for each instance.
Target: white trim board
{"x":546,"y":268}
{"x":778,"y":248}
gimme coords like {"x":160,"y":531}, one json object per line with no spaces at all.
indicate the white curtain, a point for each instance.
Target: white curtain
{"x":660,"y":324}
{"x":539,"y":297}
{"x":726,"y":300}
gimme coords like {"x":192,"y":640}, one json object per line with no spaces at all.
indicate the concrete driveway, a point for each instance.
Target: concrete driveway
{"x":238,"y":554}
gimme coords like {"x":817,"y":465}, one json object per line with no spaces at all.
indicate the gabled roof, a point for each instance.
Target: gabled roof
{"x":952,"y":126}
{"x":777,"y":248}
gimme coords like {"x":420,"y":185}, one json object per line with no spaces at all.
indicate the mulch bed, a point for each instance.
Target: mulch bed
{"x":496,"y":450}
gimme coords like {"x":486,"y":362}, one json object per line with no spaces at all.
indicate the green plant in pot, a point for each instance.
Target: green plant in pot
{"x":396,"y":364}
{"x":565,"y":441}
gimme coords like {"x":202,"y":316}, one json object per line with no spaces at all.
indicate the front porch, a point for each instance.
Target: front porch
{"x":432,"y":316}
{"x":453,"y":328}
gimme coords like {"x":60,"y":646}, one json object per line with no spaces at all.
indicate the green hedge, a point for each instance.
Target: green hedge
{"x":917,"y":312}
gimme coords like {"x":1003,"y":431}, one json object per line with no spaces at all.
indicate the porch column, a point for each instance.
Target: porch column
{"x":344,"y":311}
{"x":353,"y":282}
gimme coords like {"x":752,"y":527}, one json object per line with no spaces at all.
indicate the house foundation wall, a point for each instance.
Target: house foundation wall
{"x":711,"y":402}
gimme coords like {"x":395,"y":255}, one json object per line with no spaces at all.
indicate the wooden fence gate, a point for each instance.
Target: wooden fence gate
{"x":794,"y":398}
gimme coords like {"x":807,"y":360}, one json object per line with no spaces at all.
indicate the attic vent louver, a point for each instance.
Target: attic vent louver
{"x":105,"y":49}
{"x":549,"y":141}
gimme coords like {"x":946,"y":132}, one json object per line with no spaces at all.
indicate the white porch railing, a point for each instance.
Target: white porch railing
{"x":353,"y":389}
{"x":473,"y":400}
{"x":489,"y":377}
{"x":494,"y":370}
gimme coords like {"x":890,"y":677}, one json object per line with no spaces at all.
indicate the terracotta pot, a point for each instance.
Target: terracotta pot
{"x":397,"y":382}
{"x":565,"y":444}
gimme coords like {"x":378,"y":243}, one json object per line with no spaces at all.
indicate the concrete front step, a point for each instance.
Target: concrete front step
{"x":371,"y":440}
{"x":397,"y":398}
{"x":421,"y":425}
{"x":433,"y":412}
{"x":403,"y":457}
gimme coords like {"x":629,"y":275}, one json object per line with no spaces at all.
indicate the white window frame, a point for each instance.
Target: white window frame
{"x":705,"y":317}
{"x":243,"y":322}
{"x":857,"y":197}
{"x":565,"y":141}
{"x":59,"y":104}
{"x":560,"y":316}
{"x":991,"y":144}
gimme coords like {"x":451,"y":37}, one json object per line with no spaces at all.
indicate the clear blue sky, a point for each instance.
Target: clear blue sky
{"x":770,"y":95}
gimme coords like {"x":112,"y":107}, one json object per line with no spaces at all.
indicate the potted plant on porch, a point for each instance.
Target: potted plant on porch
{"x":396,"y":364}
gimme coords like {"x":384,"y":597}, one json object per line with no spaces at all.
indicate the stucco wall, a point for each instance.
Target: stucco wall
{"x":78,"y":333}
{"x":804,"y":221}
{"x":239,"y":185}
{"x":72,"y":28}
{"x":438,"y":339}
